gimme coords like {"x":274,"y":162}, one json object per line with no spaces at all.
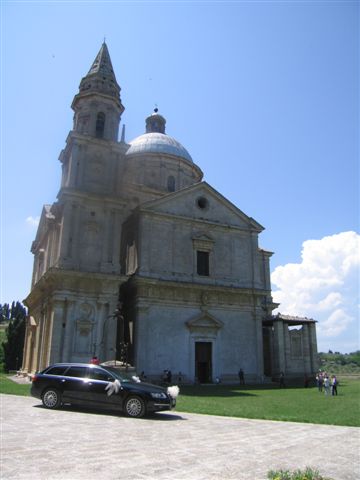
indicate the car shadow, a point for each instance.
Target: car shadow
{"x":157,"y":416}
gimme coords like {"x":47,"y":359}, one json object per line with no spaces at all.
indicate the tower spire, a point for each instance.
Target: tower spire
{"x":102,"y":63}
{"x":99,"y":84}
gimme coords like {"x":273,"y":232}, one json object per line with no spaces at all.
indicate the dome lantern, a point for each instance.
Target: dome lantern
{"x":155,"y":123}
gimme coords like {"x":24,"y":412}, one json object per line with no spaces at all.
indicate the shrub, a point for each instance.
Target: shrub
{"x":307,"y":474}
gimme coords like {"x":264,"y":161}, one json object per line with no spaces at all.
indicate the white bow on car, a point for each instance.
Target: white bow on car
{"x":173,"y":391}
{"x":113,"y":387}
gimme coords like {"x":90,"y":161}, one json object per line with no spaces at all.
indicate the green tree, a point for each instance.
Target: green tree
{"x":4,"y":313}
{"x":13,"y":345}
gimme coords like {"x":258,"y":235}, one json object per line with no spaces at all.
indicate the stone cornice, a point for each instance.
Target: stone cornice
{"x":72,"y":283}
{"x":191,"y":220}
{"x":205,"y":296}
{"x":77,"y":194}
{"x":75,"y":138}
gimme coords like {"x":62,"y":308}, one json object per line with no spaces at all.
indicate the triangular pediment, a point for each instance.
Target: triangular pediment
{"x":46,"y":217}
{"x":202,"y":202}
{"x":204,"y":237}
{"x":204,"y":321}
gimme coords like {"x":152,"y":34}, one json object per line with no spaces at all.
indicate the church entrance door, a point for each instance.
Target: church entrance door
{"x":203,"y":361}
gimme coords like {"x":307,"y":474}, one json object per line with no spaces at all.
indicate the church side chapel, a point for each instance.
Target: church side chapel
{"x":141,"y":261}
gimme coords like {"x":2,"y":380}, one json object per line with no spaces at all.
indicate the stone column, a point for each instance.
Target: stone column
{"x":313,"y":349}
{"x":45,"y":338}
{"x":279,"y":347}
{"x":41,"y":338}
{"x":306,"y":349}
{"x":287,"y":351}
{"x":27,"y":346}
{"x":35,"y":360}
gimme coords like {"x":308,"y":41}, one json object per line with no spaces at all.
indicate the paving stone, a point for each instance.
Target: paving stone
{"x":75,"y":444}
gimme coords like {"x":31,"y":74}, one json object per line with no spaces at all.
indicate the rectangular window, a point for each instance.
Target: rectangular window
{"x":98,"y":374}
{"x":202,"y":263}
{"x":79,"y":372}
{"x":55,"y":371}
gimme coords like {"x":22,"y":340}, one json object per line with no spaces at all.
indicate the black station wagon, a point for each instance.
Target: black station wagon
{"x":98,"y":386}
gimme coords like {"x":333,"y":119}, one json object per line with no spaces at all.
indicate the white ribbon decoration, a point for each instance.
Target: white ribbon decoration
{"x":173,"y":391}
{"x":113,"y":387}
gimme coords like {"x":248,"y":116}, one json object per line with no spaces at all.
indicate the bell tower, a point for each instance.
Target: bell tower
{"x":76,"y":277}
{"x":98,"y":106}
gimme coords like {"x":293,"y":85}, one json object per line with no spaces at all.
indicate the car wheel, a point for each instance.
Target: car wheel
{"x":51,"y":398}
{"x":135,"y":407}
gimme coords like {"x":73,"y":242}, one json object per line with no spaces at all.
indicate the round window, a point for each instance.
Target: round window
{"x":202,"y":202}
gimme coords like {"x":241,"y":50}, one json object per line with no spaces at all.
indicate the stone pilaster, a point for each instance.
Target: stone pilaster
{"x":65,"y":233}
{"x":141,"y":337}
{"x":259,"y":345}
{"x":69,"y":332}
{"x":56,"y":331}
{"x":103,"y":313}
{"x":110,"y":334}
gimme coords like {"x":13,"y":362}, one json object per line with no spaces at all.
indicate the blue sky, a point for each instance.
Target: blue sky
{"x":264,"y":95}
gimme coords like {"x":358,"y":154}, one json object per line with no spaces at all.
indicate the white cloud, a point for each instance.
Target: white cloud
{"x":33,"y":221}
{"x":324,"y":286}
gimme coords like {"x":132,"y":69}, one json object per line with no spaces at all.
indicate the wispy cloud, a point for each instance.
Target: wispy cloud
{"x":324,"y":285}
{"x":33,"y":221}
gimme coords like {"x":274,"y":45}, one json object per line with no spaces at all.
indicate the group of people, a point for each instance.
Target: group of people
{"x":326,"y":383}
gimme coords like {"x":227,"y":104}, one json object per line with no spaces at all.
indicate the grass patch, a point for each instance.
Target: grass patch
{"x":305,"y":405}
{"x":12,"y":388}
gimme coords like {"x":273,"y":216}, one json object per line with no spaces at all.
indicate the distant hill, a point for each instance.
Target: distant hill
{"x":335,"y":362}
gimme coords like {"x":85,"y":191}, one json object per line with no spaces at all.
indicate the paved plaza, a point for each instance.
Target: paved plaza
{"x":74,"y":444}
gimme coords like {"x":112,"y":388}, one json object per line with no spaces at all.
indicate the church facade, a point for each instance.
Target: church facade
{"x":139,"y":260}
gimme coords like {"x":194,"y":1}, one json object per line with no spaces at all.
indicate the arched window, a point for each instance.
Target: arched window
{"x":100,"y":125}
{"x":171,"y":184}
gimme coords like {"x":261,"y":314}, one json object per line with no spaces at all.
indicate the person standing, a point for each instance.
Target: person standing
{"x":282,"y":380}
{"x":326,"y":384}
{"x":333,"y":385}
{"x":241,"y":377}
{"x":95,"y":360}
{"x":320,"y":381}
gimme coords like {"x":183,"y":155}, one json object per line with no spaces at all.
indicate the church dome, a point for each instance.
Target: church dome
{"x":156,"y":141}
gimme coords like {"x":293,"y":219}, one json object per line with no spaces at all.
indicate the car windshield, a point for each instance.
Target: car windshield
{"x":122,"y":376}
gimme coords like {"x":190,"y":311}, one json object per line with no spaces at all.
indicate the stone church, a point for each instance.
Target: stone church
{"x":139,"y":260}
